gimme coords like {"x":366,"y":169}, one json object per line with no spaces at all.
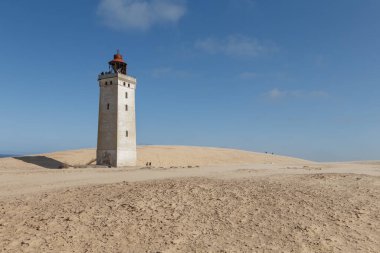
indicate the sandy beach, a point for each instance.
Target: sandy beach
{"x":191,"y":199}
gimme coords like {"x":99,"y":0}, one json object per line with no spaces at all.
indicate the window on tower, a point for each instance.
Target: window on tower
{"x":105,"y":83}
{"x":126,"y":95}
{"x":126,"y":107}
{"x":126,"y":133}
{"x":124,"y":83}
{"x":110,"y":82}
{"x":108,"y":106}
{"x":129,"y":85}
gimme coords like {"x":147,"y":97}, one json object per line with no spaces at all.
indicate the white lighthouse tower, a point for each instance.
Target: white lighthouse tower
{"x":117,"y":121}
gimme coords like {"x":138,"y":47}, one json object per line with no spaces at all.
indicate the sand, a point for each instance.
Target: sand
{"x":235,"y":201}
{"x":159,"y":156}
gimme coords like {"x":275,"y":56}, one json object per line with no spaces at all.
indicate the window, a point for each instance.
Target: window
{"x":126,"y":107}
{"x":110,"y":82}
{"x":129,"y":85}
{"x":106,"y":83}
{"x":126,"y":95}
{"x":124,"y":83}
{"x":108,"y":106}
{"x":126,"y":133}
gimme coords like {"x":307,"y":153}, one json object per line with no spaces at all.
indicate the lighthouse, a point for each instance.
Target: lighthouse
{"x":116,"y":145}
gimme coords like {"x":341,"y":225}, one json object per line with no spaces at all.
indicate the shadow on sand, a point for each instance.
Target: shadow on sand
{"x":43,"y":161}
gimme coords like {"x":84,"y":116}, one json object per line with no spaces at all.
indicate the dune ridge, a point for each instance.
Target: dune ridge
{"x":159,"y":156}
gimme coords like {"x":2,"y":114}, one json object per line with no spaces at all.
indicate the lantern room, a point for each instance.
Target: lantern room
{"x":118,"y":65}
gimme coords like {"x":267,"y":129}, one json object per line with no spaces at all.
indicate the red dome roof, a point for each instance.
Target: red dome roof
{"x":118,"y":57}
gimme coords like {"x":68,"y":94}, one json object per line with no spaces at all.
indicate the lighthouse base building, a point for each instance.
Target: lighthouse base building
{"x":116,"y":145}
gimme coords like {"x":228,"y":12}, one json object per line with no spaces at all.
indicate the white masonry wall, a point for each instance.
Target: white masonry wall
{"x":114,"y":147}
{"x":126,"y":145}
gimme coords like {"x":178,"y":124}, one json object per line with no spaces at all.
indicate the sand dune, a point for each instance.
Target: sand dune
{"x":235,"y":201}
{"x":159,"y":156}
{"x":304,"y":213}
{"x":367,"y":162}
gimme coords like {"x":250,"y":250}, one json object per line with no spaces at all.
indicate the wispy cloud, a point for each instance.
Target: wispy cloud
{"x":140,"y":14}
{"x":278,"y":94}
{"x":236,"y":45}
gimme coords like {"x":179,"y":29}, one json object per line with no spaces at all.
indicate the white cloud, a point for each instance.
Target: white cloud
{"x":140,"y":14}
{"x":277,"y":94}
{"x":235,"y":45}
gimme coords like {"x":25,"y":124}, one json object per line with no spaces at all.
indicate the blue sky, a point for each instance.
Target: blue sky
{"x":295,"y":77}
